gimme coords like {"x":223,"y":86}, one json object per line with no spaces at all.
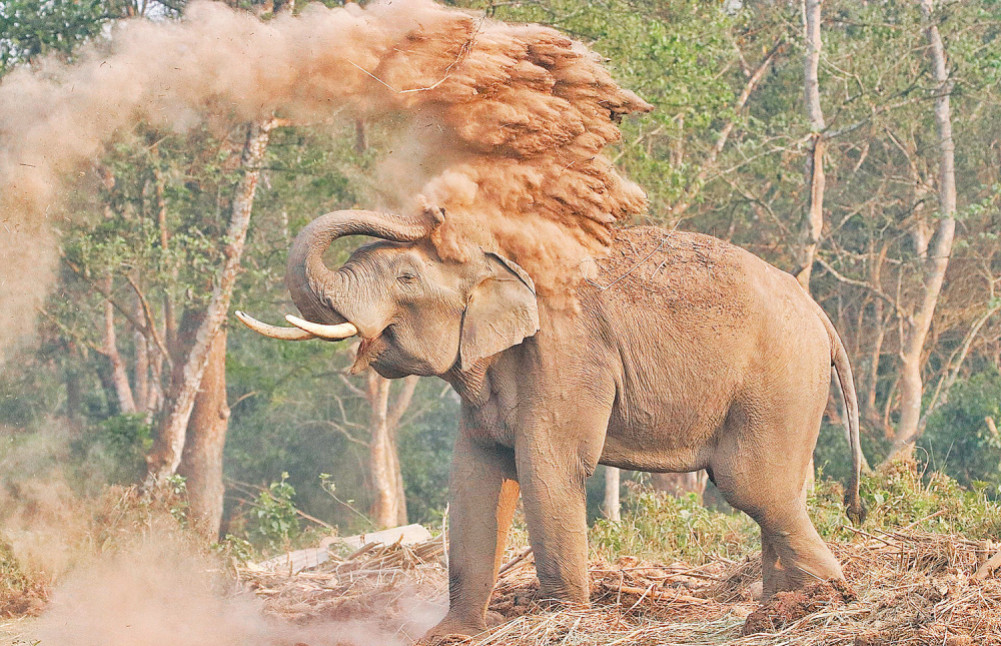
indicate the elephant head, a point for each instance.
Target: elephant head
{"x":415,"y":313}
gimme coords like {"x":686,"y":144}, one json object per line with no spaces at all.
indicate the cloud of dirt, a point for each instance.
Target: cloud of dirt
{"x":106,"y":567}
{"x":44,"y":518}
{"x":520,"y":115}
{"x":160,"y":592}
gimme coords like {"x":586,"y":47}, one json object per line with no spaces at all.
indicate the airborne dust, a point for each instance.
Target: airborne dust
{"x":507,"y":128}
{"x":509,"y":123}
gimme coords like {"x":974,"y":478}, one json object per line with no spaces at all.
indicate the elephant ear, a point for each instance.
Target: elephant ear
{"x":500,"y":313}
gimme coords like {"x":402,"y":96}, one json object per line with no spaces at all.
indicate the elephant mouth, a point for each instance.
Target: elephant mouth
{"x":369,"y":350}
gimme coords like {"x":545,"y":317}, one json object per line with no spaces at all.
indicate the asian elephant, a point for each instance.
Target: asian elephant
{"x":683,"y":352}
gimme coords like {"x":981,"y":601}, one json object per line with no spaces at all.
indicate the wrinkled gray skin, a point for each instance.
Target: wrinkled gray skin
{"x":686,"y":353}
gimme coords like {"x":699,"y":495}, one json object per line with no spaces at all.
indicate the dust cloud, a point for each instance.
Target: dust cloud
{"x":106,"y":567}
{"x":509,"y":123}
{"x":160,"y":592}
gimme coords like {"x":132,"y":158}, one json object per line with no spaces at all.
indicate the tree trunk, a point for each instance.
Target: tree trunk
{"x":679,"y":484}
{"x":385,"y":504}
{"x":169,"y":442}
{"x":141,"y":376}
{"x":389,"y":504}
{"x":119,"y":377}
{"x":201,"y":460}
{"x":916,"y":332}
{"x":813,"y":222}
{"x":612,"y":507}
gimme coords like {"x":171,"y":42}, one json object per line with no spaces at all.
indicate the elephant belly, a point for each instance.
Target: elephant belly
{"x":670,"y":405}
{"x":671,"y":439}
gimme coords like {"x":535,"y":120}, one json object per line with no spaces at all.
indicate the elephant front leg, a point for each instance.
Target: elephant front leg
{"x":552,"y":482}
{"x":483,"y":495}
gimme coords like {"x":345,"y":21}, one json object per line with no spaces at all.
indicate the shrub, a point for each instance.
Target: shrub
{"x":959,"y":441}
{"x":656,"y":525}
{"x":117,"y":447}
{"x":274,"y":521}
{"x":898,"y":495}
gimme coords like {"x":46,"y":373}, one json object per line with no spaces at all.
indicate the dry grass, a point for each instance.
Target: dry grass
{"x":907,"y":588}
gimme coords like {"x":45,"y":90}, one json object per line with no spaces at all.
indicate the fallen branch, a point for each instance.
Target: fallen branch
{"x":989,"y":566}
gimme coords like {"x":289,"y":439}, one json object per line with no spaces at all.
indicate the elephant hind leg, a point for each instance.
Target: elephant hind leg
{"x":760,"y":467}
{"x":802,"y":556}
{"x":792,"y":553}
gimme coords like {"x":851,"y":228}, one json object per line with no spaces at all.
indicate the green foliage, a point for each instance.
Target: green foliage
{"x":274,"y":522}
{"x":119,"y":444}
{"x":959,"y":441}
{"x":425,"y":459}
{"x":36,"y":27}
{"x":832,"y":455}
{"x":657,"y":525}
{"x":235,"y":549}
{"x":898,"y":495}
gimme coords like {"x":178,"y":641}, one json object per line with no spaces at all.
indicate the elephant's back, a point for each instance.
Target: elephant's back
{"x":675,"y":270}
{"x":700,"y":280}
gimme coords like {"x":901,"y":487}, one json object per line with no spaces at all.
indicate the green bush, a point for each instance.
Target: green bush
{"x":660,"y":527}
{"x":656,"y":525}
{"x":274,"y":521}
{"x":898,"y":495}
{"x":117,"y":447}
{"x":959,"y":441}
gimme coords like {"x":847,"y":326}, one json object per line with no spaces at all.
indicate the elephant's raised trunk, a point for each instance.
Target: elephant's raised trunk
{"x":313,"y":286}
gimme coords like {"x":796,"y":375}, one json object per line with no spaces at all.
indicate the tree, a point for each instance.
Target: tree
{"x":611,"y":506}
{"x":170,"y":437}
{"x":813,"y":222}
{"x":937,"y":262}
{"x":389,"y":507}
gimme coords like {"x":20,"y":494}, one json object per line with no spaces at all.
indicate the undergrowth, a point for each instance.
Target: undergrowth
{"x":658,"y":526}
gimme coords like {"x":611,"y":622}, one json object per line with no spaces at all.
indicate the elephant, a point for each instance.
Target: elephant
{"x":680,"y":352}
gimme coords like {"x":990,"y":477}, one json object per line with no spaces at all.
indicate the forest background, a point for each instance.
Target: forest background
{"x":811,"y":135}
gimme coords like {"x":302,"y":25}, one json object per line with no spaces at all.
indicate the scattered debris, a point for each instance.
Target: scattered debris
{"x":907,"y":588}
{"x":299,"y":560}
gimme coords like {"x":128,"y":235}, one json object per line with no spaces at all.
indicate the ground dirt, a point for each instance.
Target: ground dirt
{"x":904,"y":587}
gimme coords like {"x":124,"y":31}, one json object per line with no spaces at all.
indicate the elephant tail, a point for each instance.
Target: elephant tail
{"x":854,"y":507}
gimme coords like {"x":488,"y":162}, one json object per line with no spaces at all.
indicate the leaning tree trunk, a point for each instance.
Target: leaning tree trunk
{"x":937,"y":262}
{"x":201,"y":460}
{"x":168,"y":445}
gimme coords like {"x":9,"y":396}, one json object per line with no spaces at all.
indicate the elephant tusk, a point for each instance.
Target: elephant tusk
{"x":331,"y":332}
{"x":273,"y":331}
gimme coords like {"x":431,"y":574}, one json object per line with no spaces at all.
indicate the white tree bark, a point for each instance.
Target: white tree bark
{"x":612,"y":507}
{"x":389,"y":505}
{"x":937,"y":262}
{"x":813,"y":222}
{"x":169,"y":443}
{"x":119,"y":376}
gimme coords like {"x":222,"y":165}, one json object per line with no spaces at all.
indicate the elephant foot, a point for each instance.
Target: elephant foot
{"x":452,"y":630}
{"x":558,"y":598}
